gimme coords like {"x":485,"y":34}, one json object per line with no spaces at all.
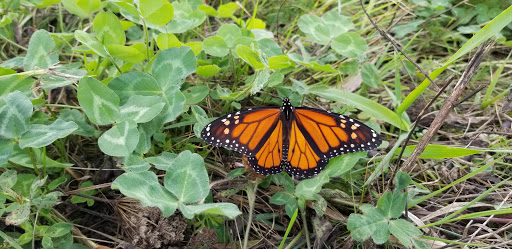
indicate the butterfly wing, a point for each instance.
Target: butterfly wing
{"x":256,"y":133}
{"x":317,"y":135}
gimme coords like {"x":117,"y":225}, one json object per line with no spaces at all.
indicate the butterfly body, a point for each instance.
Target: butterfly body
{"x":299,"y":140}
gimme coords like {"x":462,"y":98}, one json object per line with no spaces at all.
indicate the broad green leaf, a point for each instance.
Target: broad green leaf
{"x":336,"y":23}
{"x":135,"y":163}
{"x":308,"y":188}
{"x":141,"y":109}
{"x":162,"y":162}
{"x":402,"y":180}
{"x":21,"y":157}
{"x":228,"y":210}
{"x":99,"y":102}
{"x":167,"y":40}
{"x":120,"y":140}
{"x":392,"y":204}
{"x":195,"y":94}
{"x":196,"y":47}
{"x":24,"y":183}
{"x":14,"y":115}
{"x":269,"y":47}
{"x":125,"y":53}
{"x":439,"y":151}
{"x":372,"y":223}
{"x":58,"y":229}
{"x":349,"y":44}
{"x":490,"y":29}
{"x":275,"y":79}
{"x":57,"y":182}
{"x":175,"y":101}
{"x":370,"y":75}
{"x":185,"y":18}
{"x":6,"y":146}
{"x":404,"y":231}
{"x":19,"y":213}
{"x":249,"y":56}
{"x":262,"y":34}
{"x":63,"y":242}
{"x":39,"y":54}
{"x":50,"y":82}
{"x":144,"y":187}
{"x":227,"y":10}
{"x":261,"y":79}
{"x":8,"y":179}
{"x":92,"y":43}
{"x":79,"y":199}
{"x":324,"y":68}
{"x":84,"y":128}
{"x":374,"y":109}
{"x":281,"y":61}
{"x":341,"y":164}
{"x":207,"y":71}
{"x":134,"y":83}
{"x":209,"y":10}
{"x":127,"y":8}
{"x":401,"y":30}
{"x":187,"y":178}
{"x":158,"y":12}
{"x":10,"y":241}
{"x":229,"y":33}
{"x":215,"y":46}
{"x":315,"y":29}
{"x":47,"y":242}
{"x":82,"y":8}
{"x":108,"y":29}
{"x":280,"y":198}
{"x":42,"y":135}
{"x":173,"y":65}
{"x":256,"y":23}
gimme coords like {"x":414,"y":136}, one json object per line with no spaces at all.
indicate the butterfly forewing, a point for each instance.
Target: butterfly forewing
{"x":243,"y":131}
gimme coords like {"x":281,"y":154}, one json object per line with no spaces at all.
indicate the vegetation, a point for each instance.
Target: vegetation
{"x":102,"y":104}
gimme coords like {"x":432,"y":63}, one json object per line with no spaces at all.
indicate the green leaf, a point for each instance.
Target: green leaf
{"x":47,"y":242}
{"x":185,"y":18}
{"x":261,"y":79}
{"x":57,"y":182}
{"x":195,"y":94}
{"x":249,"y":56}
{"x":135,"y":163}
{"x":324,"y":68}
{"x":39,"y":54}
{"x":372,"y":223}
{"x":58,"y":229}
{"x":99,"y":102}
{"x":229,"y":33}
{"x":336,"y":23}
{"x":91,"y":42}
{"x":490,"y":29}
{"x":401,"y":30}
{"x":187,"y":178}
{"x":158,"y":12}
{"x":141,"y":109}
{"x":15,"y":115}
{"x":173,"y":65}
{"x":43,"y":135}
{"x":439,"y":151}
{"x":227,"y":10}
{"x":404,"y":231}
{"x":402,"y":180}
{"x":308,"y":188}
{"x":207,"y":10}
{"x":82,"y":8}
{"x":350,"y":45}
{"x":269,"y":47}
{"x":280,"y":198}
{"x":281,"y":61}
{"x":6,"y":146}
{"x":215,"y":46}
{"x":24,"y":183}
{"x":341,"y":164}
{"x":8,"y":179}
{"x":9,"y":241}
{"x":175,"y":101}
{"x":125,"y":53}
{"x":15,"y":83}
{"x":108,"y":29}
{"x":84,"y":128}
{"x":19,"y":213}
{"x":120,"y":140}
{"x":162,"y":162}
{"x":144,"y":187}
{"x":372,"y":108}
{"x":370,"y":75}
{"x":207,"y":71}
{"x":166,"y":40}
{"x":196,"y":47}
{"x":392,"y":204}
{"x":63,"y":242}
{"x":134,"y":83}
{"x":316,"y":30}
{"x":228,"y":210}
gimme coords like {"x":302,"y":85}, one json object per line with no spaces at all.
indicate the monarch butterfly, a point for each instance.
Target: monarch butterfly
{"x":300,"y":140}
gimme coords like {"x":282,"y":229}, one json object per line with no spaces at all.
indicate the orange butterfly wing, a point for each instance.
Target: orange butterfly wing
{"x":317,"y":135}
{"x":256,"y":133}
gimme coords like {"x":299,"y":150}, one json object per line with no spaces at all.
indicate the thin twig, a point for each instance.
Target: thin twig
{"x":448,"y":106}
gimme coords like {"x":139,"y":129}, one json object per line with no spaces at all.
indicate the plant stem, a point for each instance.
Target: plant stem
{"x":251,"y":196}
